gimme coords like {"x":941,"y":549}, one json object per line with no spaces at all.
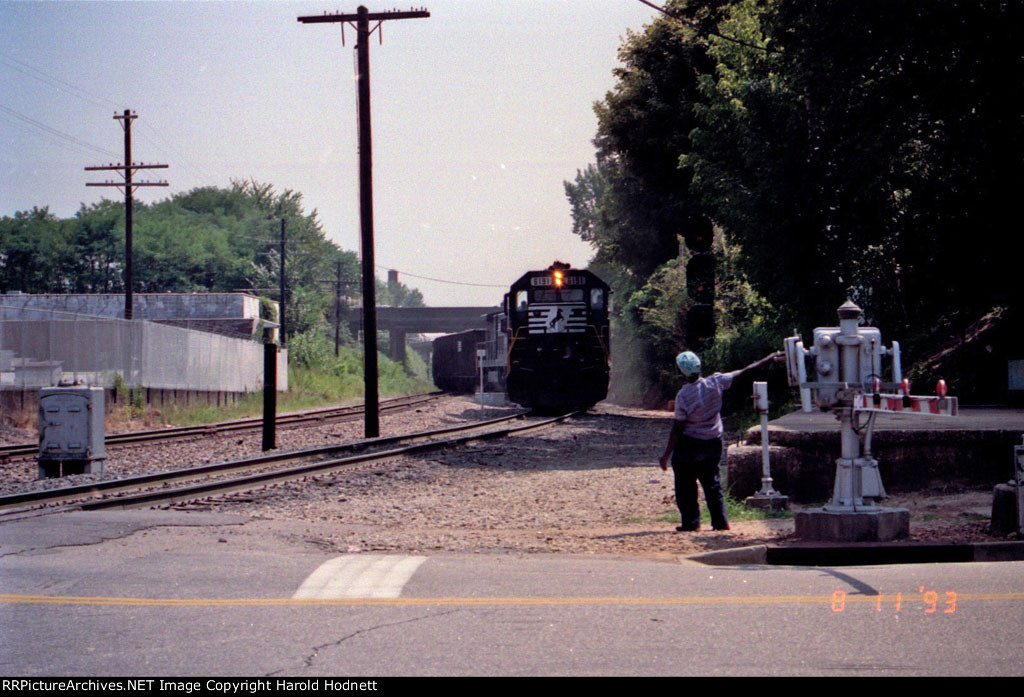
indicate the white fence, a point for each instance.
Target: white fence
{"x":39,"y":347}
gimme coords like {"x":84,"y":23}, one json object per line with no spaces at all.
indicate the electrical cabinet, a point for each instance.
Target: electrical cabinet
{"x":71,"y":431}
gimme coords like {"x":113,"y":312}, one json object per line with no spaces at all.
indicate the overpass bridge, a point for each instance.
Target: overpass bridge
{"x":399,"y":321}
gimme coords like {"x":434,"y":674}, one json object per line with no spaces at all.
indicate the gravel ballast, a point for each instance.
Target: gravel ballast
{"x":590,"y":486}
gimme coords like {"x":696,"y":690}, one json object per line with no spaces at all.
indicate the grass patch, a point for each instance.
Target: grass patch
{"x":339,"y":382}
{"x":734,"y":509}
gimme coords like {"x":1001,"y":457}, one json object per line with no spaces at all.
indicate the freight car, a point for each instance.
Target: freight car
{"x":454,"y":361}
{"x":558,"y":339}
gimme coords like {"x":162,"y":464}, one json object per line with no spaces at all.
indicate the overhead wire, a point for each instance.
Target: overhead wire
{"x":62,"y":85}
{"x":695,"y":25}
{"x":440,"y":280}
{"x":54,"y":132}
{"x":158,"y":139}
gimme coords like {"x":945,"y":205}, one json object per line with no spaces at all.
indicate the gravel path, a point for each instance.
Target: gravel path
{"x":592,"y":487}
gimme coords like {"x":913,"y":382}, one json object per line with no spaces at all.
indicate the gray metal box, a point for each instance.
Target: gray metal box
{"x":71,"y":431}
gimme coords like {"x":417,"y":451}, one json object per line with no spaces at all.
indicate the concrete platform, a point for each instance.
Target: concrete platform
{"x":913,"y":452}
{"x":883,"y":525}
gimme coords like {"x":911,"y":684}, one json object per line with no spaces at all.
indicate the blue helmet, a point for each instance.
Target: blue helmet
{"x":689,"y":363}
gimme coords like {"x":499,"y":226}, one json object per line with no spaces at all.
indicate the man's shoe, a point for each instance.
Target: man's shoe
{"x":686,"y":528}
{"x":724,"y":527}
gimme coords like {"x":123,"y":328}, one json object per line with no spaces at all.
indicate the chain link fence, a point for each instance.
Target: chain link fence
{"x":39,"y":348}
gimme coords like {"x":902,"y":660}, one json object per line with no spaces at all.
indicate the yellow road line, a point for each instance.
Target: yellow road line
{"x":473,"y":602}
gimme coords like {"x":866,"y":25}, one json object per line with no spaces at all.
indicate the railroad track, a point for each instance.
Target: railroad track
{"x":255,"y":472}
{"x":25,"y":450}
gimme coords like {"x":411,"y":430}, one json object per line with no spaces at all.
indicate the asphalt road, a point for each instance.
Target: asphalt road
{"x":158,"y":593}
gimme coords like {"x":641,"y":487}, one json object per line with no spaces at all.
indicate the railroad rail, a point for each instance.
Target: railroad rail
{"x":24,"y":450}
{"x":153,"y":489}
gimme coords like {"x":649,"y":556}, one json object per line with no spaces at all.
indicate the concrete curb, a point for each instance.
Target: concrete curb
{"x":861,"y":554}
{"x":756,"y":554}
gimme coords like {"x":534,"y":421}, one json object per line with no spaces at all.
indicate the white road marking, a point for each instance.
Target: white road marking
{"x":360,"y":576}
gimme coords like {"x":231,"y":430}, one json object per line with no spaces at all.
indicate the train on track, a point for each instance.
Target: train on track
{"x":548,"y":349}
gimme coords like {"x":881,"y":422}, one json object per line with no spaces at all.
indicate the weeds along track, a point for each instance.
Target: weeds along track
{"x":314,"y":416}
{"x":254,"y":472}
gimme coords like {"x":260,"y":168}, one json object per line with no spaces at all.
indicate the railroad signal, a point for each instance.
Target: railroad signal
{"x":700,"y":278}
{"x":698,"y":234}
{"x":700,"y":326}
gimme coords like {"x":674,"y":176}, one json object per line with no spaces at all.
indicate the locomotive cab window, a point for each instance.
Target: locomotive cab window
{"x":596,"y":299}
{"x":521,"y":300}
{"x":558,"y":296}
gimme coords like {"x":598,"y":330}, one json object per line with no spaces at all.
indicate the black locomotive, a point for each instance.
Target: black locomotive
{"x":548,"y":349}
{"x":558,"y":339}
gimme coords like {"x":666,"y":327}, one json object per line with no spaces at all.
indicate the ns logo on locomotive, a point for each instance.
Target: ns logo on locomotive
{"x":558,"y":339}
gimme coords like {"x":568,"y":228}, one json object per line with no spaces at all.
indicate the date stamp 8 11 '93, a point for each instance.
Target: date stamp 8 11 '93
{"x":931,"y":602}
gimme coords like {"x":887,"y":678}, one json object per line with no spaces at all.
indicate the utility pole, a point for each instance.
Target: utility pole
{"x":337,"y":312}
{"x":284,"y":325}
{"x":338,"y":283}
{"x":127,"y":169}
{"x":362,"y":20}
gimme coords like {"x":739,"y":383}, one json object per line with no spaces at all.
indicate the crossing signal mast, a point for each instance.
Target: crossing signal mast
{"x":127,"y":170}
{"x":700,"y":283}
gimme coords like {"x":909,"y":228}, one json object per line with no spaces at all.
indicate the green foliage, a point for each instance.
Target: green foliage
{"x":652,"y":319}
{"x":398,"y":295}
{"x":120,"y":387}
{"x":320,"y":372}
{"x":857,"y":155}
{"x":635,"y":202}
{"x":843,"y":149}
{"x":206,"y":240}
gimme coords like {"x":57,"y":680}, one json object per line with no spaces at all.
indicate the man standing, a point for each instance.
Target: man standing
{"x":695,"y":442}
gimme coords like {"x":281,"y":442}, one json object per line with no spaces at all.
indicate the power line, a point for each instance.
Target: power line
{"x":160,"y":141}
{"x":63,"y":143}
{"x":53,"y":131}
{"x":695,"y":25}
{"x":440,"y":280}
{"x":62,"y":85}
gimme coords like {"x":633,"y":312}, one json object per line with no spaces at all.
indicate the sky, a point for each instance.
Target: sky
{"x":480,"y":113}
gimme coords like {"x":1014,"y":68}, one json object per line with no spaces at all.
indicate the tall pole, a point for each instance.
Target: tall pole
{"x":362,"y":18}
{"x":129,"y":277}
{"x":127,"y":169}
{"x":337,"y":312}
{"x":370,"y":385}
{"x":284,"y":324}
{"x":370,"y":390}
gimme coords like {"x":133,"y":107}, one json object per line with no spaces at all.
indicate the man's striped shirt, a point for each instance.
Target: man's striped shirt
{"x":699,"y":405}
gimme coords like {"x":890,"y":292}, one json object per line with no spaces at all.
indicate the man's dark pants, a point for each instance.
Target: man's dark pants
{"x":692,"y":460}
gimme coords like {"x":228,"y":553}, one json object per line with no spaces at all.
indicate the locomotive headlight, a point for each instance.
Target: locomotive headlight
{"x":558,"y":278}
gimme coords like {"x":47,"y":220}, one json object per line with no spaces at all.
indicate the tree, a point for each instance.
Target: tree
{"x":635,"y":203}
{"x":209,"y":239}
{"x":852,"y":157}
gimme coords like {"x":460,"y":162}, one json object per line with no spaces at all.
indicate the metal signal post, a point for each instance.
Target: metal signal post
{"x":127,"y":169}
{"x":362,"y":19}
